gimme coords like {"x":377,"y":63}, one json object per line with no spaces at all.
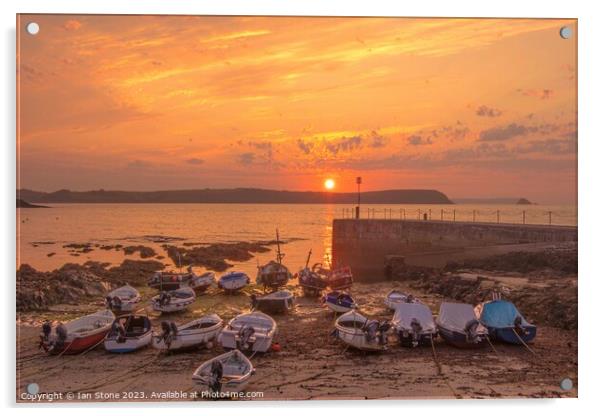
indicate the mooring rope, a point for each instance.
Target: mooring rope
{"x":439,"y":368}
{"x":492,"y":347}
{"x":523,"y":342}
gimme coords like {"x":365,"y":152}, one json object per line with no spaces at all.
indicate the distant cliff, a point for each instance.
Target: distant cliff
{"x":493,"y":201}
{"x":239,"y":195}
{"x":25,"y":204}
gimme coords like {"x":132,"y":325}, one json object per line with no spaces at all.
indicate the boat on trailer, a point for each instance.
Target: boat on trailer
{"x":458,"y":325}
{"x":194,"y":334}
{"x":414,"y":324}
{"x":252,"y":331}
{"x":362,"y":333}
{"x":200,"y":283}
{"x":396,"y":297}
{"x":129,"y":333}
{"x":281,"y":301}
{"x":76,"y":336}
{"x":234,"y":281}
{"x":312,"y":281}
{"x":339,"y":302}
{"x":274,"y":274}
{"x":226,"y":373}
{"x":123,"y":299}
{"x":505,"y":323}
{"x":174,"y":300}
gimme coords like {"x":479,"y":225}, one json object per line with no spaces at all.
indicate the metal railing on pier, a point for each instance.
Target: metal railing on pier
{"x":500,"y":216}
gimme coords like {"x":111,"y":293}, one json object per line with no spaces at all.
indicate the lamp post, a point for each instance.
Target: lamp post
{"x":358,"y":180}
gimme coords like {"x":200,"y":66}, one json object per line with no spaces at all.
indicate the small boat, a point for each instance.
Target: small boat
{"x":226,"y":373}
{"x":200,"y":283}
{"x":505,"y":323}
{"x":123,"y":299}
{"x":274,"y":274}
{"x":397,"y":297}
{"x":174,"y":300}
{"x":252,"y":331}
{"x":312,"y":281}
{"x":340,"y":279}
{"x":360,"y":332}
{"x":458,"y":325}
{"x":339,"y":302}
{"x":414,"y":324}
{"x":166,"y":281}
{"x":193,"y":334}
{"x":234,"y":281}
{"x":129,"y":333}
{"x":275,"y":302}
{"x":78,"y":335}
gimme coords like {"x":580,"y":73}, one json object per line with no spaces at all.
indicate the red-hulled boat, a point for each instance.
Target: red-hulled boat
{"x":76,"y":336}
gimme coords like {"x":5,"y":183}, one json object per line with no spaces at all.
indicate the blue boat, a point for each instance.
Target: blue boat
{"x":339,"y":302}
{"x":233,"y":281}
{"x":505,"y":323}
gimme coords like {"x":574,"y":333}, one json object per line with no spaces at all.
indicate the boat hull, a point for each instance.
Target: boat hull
{"x":184,"y":341}
{"x":80,"y":344}
{"x":130,"y":344}
{"x":407,"y":339}
{"x":171,"y":308}
{"x":508,"y":335}
{"x":459,"y":339}
{"x":358,"y":341}
{"x":276,"y":306}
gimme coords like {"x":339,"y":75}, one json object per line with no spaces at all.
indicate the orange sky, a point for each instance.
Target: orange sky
{"x":471,"y":107}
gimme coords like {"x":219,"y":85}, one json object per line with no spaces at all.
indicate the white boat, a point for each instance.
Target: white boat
{"x":252,"y":331}
{"x":78,"y":335}
{"x":458,"y":325}
{"x":233,"y":281}
{"x":414,"y":324}
{"x":193,"y":334}
{"x":173,"y":301}
{"x":226,"y":373}
{"x":362,"y":333}
{"x":275,"y":302}
{"x":129,"y":333}
{"x":339,"y":302}
{"x":274,"y":274}
{"x":200,"y":283}
{"x":397,"y":297}
{"x":123,"y":299}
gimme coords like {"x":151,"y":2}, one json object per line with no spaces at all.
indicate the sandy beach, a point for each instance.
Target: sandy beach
{"x":310,"y":365}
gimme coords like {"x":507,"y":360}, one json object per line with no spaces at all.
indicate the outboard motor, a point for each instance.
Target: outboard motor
{"x":253,"y":301}
{"x":410,"y":298}
{"x":518,"y":325}
{"x":61,"y":336}
{"x":371,"y":330}
{"x":167,"y":335}
{"x":164,"y":298}
{"x":217,"y":372}
{"x":117,"y":302}
{"x":174,"y":329}
{"x":471,"y":331}
{"x":45,"y":335}
{"x":118,"y":331}
{"x":109,"y":302}
{"x":416,"y":331}
{"x":383,"y":328}
{"x":245,"y":334}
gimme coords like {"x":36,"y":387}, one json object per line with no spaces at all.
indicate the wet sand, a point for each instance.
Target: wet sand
{"x":311,"y":363}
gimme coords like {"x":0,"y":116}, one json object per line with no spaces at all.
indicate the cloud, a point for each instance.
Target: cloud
{"x":378,"y":141}
{"x":305,"y":146}
{"x":139,"y":164}
{"x":542,"y":94}
{"x":344,"y":144}
{"x":246,"y":158}
{"x":485,"y":111}
{"x":417,"y":140}
{"x":72,"y":25}
{"x":503,"y":133}
{"x":195,"y":161}
{"x":549,"y":146}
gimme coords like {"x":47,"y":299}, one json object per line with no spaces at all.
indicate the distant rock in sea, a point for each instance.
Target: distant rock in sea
{"x":524,"y":201}
{"x":24,"y":204}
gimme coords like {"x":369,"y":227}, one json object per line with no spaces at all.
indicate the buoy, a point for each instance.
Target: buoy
{"x":276,"y":347}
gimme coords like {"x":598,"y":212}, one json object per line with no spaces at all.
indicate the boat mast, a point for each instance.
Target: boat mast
{"x":279,"y":255}
{"x":308,"y":257}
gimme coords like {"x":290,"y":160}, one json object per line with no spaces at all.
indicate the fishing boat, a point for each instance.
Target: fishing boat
{"x":252,"y":331}
{"x":340,"y":278}
{"x":274,"y":274}
{"x":129,"y":333}
{"x":170,"y":280}
{"x":458,"y":325}
{"x":78,"y":335}
{"x":311,"y":280}
{"x":414,"y":324}
{"x":194,"y":334}
{"x":122,"y":299}
{"x":200,"y":283}
{"x":362,"y":333}
{"x":339,"y":302}
{"x":397,"y":297}
{"x":226,"y":373}
{"x":505,"y":323}
{"x":275,"y":302}
{"x":234,"y":281}
{"x":174,"y":300}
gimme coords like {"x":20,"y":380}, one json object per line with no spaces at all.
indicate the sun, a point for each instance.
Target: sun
{"x":329,"y":184}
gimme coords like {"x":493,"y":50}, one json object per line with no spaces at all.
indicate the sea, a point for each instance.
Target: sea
{"x":42,"y":232}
